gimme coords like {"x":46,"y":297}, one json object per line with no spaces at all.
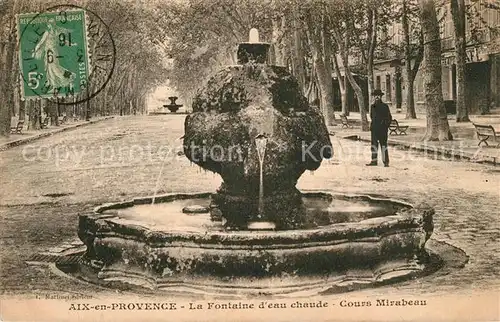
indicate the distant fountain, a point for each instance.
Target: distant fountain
{"x":173,"y":106}
{"x":257,"y":234}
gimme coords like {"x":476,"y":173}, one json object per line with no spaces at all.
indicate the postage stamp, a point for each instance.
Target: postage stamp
{"x":53,"y":53}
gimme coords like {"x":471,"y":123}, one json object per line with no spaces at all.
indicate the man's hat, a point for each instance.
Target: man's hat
{"x":377,"y":92}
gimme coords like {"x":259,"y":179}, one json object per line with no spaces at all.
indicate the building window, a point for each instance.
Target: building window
{"x":398,"y":29}
{"x":395,"y":31}
{"x":489,"y":14}
{"x":453,"y":82}
{"x":446,"y":28}
{"x":448,"y":23}
{"x":388,"y":88}
{"x":377,"y":83}
{"x":445,"y":81}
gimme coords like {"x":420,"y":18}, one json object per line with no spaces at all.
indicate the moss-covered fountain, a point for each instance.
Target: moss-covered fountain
{"x":257,"y":234}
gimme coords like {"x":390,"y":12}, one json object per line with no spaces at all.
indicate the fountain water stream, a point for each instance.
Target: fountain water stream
{"x":261,"y":143}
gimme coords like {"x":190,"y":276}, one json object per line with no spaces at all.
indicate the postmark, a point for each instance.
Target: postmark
{"x":66,"y":53}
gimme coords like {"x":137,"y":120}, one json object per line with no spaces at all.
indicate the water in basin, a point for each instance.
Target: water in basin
{"x":320,"y":211}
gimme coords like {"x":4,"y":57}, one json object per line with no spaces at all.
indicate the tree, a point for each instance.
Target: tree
{"x":8,"y":11}
{"x":320,"y":46}
{"x":297,"y":59}
{"x":342,"y":84}
{"x":130,"y":26}
{"x":412,"y":59}
{"x":343,"y":48}
{"x":140,"y":60}
{"x":278,"y":30}
{"x":458,"y":14}
{"x":201,"y":39}
{"x":344,"y":17}
{"x":437,"y":122}
{"x":371,"y":36}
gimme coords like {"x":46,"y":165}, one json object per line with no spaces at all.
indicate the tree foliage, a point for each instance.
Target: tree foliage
{"x":184,"y":42}
{"x":135,"y":73}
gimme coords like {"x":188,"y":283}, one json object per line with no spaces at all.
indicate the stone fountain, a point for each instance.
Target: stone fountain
{"x":257,"y":234}
{"x":251,"y":122}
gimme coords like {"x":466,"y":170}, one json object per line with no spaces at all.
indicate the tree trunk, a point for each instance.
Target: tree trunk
{"x":35,"y":113}
{"x":298,"y":52}
{"x":319,"y":50}
{"x":325,"y":87}
{"x":51,"y":112}
{"x":372,"y":38}
{"x":105,"y":103}
{"x":83,"y":110}
{"x":68,"y":108}
{"x":15,"y":96}
{"x":370,"y":90}
{"x":87,"y":103}
{"x":6,"y":91}
{"x":343,"y":42}
{"x":8,"y":80}
{"x":342,"y":85}
{"x":278,"y":25}
{"x":328,"y":82}
{"x":4,"y":108}
{"x":409,"y":77}
{"x":312,"y":84}
{"x":22,"y":109}
{"x":315,"y":95}
{"x":458,"y":14}
{"x":397,"y":82}
{"x":343,"y":94}
{"x":59,"y":108}
{"x":121,"y":101}
{"x":437,"y":122}
{"x":30,"y":112}
{"x":360,"y":97}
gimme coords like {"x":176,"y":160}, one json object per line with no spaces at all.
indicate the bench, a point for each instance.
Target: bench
{"x":45,"y":123}
{"x":345,"y":121}
{"x":484,"y":132}
{"x":18,"y":129}
{"x":62,"y":119}
{"x":397,"y":129}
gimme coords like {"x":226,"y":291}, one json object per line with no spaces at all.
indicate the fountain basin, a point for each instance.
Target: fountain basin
{"x":159,"y":246}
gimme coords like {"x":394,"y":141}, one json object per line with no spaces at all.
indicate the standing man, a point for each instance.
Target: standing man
{"x":381,"y":119}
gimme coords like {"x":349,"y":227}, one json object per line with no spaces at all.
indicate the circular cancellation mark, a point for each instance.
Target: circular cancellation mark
{"x":55,"y":47}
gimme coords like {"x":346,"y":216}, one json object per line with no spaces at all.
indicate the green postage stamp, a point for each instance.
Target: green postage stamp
{"x":53,"y":54}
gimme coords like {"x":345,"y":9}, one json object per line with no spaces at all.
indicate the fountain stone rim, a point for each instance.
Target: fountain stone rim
{"x":127,"y":249}
{"x":409,"y":217}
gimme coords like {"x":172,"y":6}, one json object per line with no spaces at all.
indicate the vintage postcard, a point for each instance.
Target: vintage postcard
{"x":252,"y":160}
